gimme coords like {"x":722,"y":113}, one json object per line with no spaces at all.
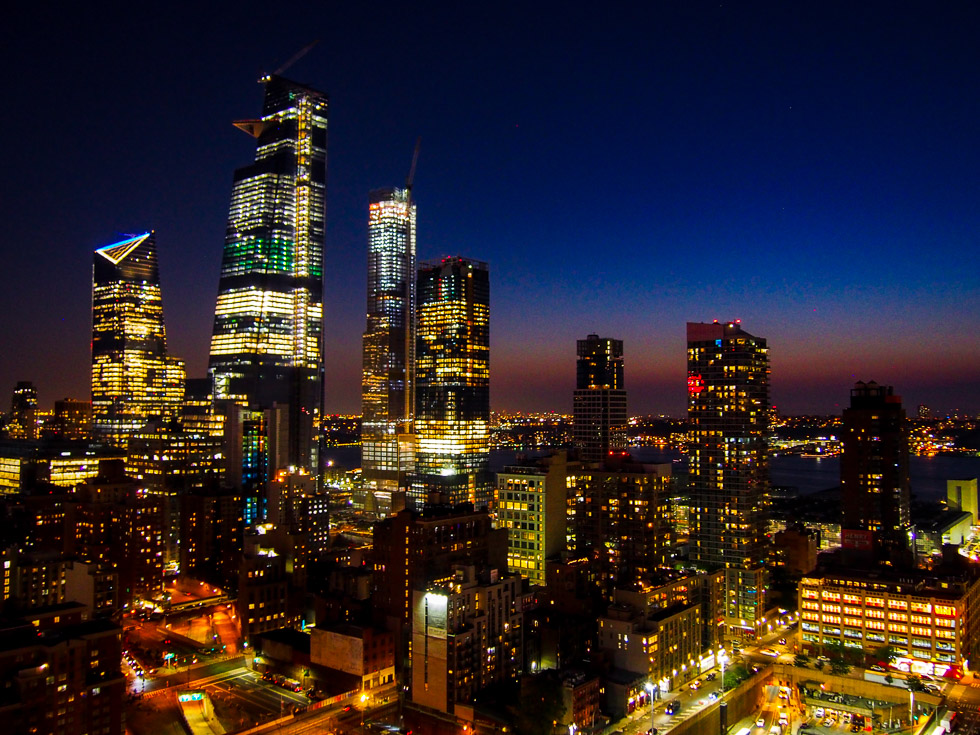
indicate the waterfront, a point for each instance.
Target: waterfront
{"x":927,"y":475}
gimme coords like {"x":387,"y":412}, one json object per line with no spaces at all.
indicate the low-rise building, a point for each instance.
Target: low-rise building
{"x":930,"y":619}
{"x":367,"y":652}
{"x":662,"y":645}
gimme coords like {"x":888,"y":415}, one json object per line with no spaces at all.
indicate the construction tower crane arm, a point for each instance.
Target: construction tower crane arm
{"x":292,"y":60}
{"x":411,"y":172}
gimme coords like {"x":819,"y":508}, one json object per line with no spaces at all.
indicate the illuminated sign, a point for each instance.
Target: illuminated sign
{"x":190,"y":697}
{"x":695,"y":384}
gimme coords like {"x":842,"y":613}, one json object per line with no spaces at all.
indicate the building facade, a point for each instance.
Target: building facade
{"x":412,"y":549}
{"x":874,"y":470}
{"x":466,"y":636}
{"x":664,"y":644}
{"x":67,"y":682}
{"x":134,"y":380}
{"x":452,"y":405}
{"x":530,"y":504}
{"x":388,"y":377}
{"x":621,"y":519}
{"x":267,"y":343}
{"x":728,"y":409}
{"x":931,"y":623}
{"x":113,"y":522}
{"x":599,"y":402}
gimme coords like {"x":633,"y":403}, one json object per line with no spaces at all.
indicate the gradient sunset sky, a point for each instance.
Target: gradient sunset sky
{"x":812,"y":169}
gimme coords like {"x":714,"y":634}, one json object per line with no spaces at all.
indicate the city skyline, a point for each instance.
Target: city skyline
{"x":810,"y":171}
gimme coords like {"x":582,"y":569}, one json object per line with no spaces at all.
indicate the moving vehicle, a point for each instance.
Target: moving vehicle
{"x":761,"y":723}
{"x":673,"y":707}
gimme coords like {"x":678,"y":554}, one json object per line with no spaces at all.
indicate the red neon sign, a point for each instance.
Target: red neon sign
{"x":695,"y":384}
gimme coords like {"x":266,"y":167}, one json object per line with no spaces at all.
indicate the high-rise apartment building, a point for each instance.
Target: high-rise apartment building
{"x":874,"y":469}
{"x":599,"y":408}
{"x":530,"y":504}
{"x":466,"y":636}
{"x":620,"y":518}
{"x":452,"y":372}
{"x":412,"y":549}
{"x":728,"y":409}
{"x":112,"y":522}
{"x":266,"y":347}
{"x":388,"y":379}
{"x":134,"y":380}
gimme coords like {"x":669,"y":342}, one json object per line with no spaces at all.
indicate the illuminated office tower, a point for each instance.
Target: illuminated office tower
{"x":452,"y":373}
{"x":599,"y":409}
{"x":387,"y":387}
{"x":266,"y":347}
{"x":874,"y":471}
{"x":728,"y":409}
{"x":134,"y":380}
{"x":23,"y":411}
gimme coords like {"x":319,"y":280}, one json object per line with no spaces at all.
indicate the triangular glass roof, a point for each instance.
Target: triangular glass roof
{"x":119,"y":250}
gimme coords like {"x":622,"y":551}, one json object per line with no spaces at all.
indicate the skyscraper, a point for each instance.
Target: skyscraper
{"x":452,"y":372}
{"x":874,"y":469}
{"x":599,"y":409}
{"x":266,"y":347}
{"x":388,"y":386}
{"x":728,"y":409}
{"x":133,"y":377}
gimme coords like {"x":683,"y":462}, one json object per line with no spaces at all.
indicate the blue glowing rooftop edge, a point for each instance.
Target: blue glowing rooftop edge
{"x":119,"y":250}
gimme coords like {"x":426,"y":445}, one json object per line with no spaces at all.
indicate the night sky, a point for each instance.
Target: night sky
{"x":809,"y":168}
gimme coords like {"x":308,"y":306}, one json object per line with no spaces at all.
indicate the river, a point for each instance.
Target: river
{"x":927,"y":475}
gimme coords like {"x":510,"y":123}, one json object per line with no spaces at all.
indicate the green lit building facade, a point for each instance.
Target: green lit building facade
{"x":266,"y":346}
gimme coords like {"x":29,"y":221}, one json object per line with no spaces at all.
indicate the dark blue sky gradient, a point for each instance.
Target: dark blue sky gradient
{"x":809,"y":168}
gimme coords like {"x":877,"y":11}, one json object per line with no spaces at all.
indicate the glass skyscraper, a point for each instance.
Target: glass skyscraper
{"x":599,"y":408}
{"x":388,"y":378}
{"x":728,"y":460}
{"x":134,"y":380}
{"x":266,"y":347}
{"x":452,"y":373}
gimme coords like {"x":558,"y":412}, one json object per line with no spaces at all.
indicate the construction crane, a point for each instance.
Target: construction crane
{"x":411,"y":172}
{"x":292,"y":60}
